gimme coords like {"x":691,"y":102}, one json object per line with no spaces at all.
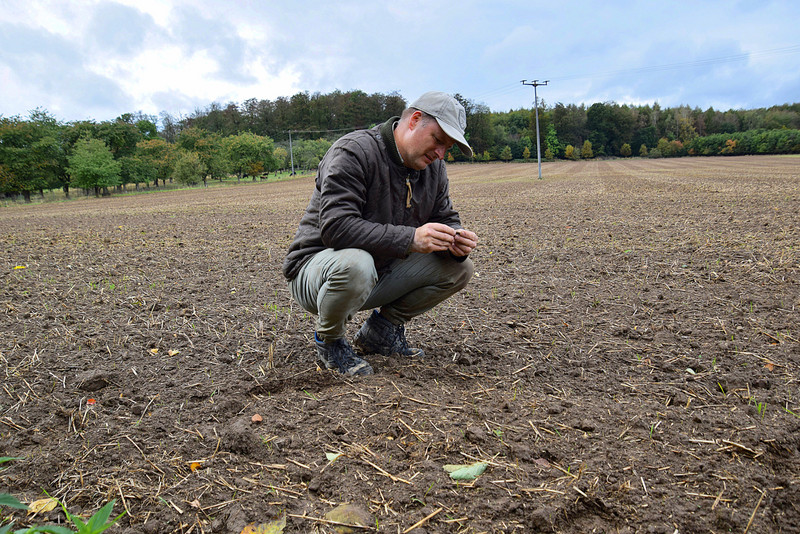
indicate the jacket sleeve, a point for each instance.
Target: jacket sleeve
{"x":343,"y":182}
{"x":443,"y":211}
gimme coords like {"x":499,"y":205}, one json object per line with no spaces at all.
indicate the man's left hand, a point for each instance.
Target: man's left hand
{"x":463,"y":243}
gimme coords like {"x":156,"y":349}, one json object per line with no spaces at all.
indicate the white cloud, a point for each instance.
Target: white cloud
{"x":101,"y":58}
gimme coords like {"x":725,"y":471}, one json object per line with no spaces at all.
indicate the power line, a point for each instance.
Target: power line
{"x":786,"y":50}
{"x":324,"y":131}
{"x":685,"y":64}
{"x":290,"y":132}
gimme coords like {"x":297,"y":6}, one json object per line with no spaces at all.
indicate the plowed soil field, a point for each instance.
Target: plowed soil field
{"x":625,"y":360}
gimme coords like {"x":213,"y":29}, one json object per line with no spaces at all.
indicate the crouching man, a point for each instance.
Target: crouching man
{"x":380,"y":233}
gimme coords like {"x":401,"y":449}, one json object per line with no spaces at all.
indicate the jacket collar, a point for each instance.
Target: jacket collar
{"x":387,"y":133}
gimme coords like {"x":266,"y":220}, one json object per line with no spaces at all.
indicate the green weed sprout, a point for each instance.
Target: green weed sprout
{"x":96,"y":524}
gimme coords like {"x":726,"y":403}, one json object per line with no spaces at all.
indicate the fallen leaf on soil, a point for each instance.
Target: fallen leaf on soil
{"x":273,"y":527}
{"x":332,"y":456}
{"x":42,"y":505}
{"x":351,"y":515}
{"x":194,"y":466}
{"x":91,"y":402}
{"x":466,"y":472}
{"x":256,"y":418}
{"x":195,"y":504}
{"x":174,"y":352}
{"x":770,"y":366}
{"x":20,"y":267}
{"x":154,"y":351}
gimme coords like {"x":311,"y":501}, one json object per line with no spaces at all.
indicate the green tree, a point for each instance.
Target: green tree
{"x":212,"y":156}
{"x":570,"y":153}
{"x":157,"y":159}
{"x":570,"y":123}
{"x":479,"y":132}
{"x":92,"y":166}
{"x":249,"y":154}
{"x":663,"y":147}
{"x":281,"y":156}
{"x":505,"y":154}
{"x":32,"y":154}
{"x":686,"y":131}
{"x":120,"y":135}
{"x":189,"y":168}
{"x":610,"y":125}
{"x":643,"y":150}
{"x":586,"y":151}
{"x":309,"y":152}
{"x":625,"y":150}
{"x":551,"y":141}
{"x":526,"y":154}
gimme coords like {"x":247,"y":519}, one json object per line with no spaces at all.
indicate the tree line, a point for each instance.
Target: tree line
{"x":611,"y":129}
{"x":256,"y":137}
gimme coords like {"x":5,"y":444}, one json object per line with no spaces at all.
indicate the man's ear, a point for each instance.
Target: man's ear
{"x":414,"y":119}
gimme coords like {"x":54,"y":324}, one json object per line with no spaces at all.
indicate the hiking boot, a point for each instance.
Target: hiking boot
{"x":339,"y":355}
{"x":379,"y":336}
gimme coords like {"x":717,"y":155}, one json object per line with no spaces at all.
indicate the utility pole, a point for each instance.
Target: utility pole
{"x":535,"y":84}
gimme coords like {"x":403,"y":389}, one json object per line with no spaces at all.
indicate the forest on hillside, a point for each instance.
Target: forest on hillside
{"x":607,"y":126}
{"x":40,"y":152}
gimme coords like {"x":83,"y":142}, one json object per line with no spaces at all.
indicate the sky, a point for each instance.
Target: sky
{"x":98,"y":59}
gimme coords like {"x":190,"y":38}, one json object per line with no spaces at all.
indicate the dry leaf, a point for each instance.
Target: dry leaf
{"x":20,"y":267}
{"x":256,"y":418}
{"x":273,"y":527}
{"x":332,"y":456}
{"x":42,"y":505}
{"x":770,"y":366}
{"x":174,"y":352}
{"x":154,"y":351}
{"x":350,"y":515}
{"x":194,"y":466}
{"x":195,"y":504}
{"x":91,"y":402}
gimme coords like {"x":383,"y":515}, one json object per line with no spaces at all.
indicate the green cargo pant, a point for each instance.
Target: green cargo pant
{"x":336,"y":284}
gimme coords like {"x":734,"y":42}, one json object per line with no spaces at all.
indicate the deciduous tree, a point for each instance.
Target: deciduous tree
{"x":586,"y":151}
{"x":92,"y":166}
{"x":189,"y":168}
{"x":249,"y":154}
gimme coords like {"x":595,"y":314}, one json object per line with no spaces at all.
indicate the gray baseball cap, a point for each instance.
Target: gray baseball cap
{"x":449,"y":113}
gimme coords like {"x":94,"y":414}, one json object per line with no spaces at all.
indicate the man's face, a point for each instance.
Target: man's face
{"x":426,"y":142}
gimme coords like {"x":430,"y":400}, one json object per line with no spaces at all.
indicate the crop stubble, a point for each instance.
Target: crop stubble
{"x":625,"y":360}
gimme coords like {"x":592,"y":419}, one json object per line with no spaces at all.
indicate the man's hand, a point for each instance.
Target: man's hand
{"x":463,"y":243}
{"x":434,"y":237}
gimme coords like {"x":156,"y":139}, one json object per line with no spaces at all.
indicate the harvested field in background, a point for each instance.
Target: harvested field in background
{"x":625,"y":360}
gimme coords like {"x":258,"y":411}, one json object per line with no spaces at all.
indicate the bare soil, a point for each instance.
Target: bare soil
{"x":625,"y":360}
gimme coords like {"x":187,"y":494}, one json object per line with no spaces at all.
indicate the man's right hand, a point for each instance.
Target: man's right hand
{"x":433,"y":237}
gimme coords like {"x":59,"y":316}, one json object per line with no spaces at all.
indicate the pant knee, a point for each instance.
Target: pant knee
{"x":357,"y":267}
{"x":463,"y":273}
